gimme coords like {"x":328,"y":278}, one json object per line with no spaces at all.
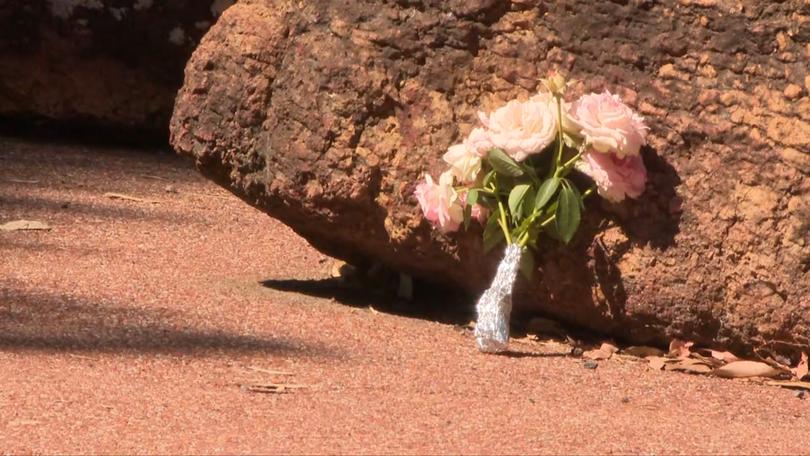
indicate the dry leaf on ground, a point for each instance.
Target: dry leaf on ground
{"x":689,"y":365}
{"x":724,"y":356}
{"x":801,"y":369}
{"x":746,"y":369}
{"x":642,"y":351}
{"x":657,"y":362}
{"x":708,"y":360}
{"x":24,"y":225}
{"x":605,"y":351}
{"x":124,"y":197}
{"x":679,"y":348}
{"x":790,"y":384}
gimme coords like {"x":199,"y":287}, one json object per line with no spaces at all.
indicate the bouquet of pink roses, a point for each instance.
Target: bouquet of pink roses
{"x":511,"y":175}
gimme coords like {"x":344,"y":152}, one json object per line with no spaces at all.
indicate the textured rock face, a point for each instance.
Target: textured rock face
{"x":100,"y":63}
{"x":324,"y":114}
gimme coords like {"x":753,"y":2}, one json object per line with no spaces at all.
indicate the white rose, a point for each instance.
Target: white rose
{"x":522,"y":128}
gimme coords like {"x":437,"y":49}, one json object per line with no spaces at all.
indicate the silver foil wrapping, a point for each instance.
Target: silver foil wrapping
{"x":495,"y":305}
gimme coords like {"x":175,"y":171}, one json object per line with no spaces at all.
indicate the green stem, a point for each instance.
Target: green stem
{"x":567,"y":165}
{"x":558,"y":158}
{"x":523,"y":239}
{"x":502,"y":213}
{"x":502,"y":222}
{"x":562,"y":170}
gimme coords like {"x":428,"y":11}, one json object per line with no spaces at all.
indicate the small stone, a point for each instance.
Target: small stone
{"x":799,"y":394}
{"x":792,"y":91}
{"x":576,"y":351}
{"x":590,"y":364}
{"x":625,"y":400}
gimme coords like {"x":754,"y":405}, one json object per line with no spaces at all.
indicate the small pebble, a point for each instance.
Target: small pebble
{"x":576,"y":351}
{"x":799,"y":394}
{"x":590,"y":364}
{"x":625,"y":400}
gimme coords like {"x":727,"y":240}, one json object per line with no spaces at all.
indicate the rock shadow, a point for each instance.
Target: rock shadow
{"x":569,"y":274}
{"x":430,"y":302}
{"x":655,"y":217}
{"x":61,"y":323}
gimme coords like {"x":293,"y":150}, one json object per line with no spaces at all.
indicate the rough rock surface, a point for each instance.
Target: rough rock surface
{"x":324,"y":114}
{"x":105,"y":63}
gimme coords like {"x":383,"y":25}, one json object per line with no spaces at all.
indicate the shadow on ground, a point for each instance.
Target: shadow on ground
{"x":63,"y":323}
{"x":429,"y":301}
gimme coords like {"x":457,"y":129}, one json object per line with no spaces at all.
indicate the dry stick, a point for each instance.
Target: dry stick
{"x":129,"y":198}
{"x":150,"y":176}
{"x":271,"y":387}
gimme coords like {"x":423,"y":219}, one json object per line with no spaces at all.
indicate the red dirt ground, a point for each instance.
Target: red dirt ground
{"x":130,"y":326}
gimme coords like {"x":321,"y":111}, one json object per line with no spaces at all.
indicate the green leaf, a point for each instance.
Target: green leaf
{"x":546,"y":192}
{"x":578,"y":195}
{"x":472,"y":197}
{"x":527,"y":264}
{"x":516,"y":197}
{"x":488,"y":177}
{"x":503,"y":163}
{"x":467,"y":216}
{"x":568,"y":213}
{"x":493,"y":234}
{"x":527,"y":202}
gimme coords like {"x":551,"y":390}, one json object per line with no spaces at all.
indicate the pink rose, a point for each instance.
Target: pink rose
{"x":522,"y":128}
{"x":440,"y":203}
{"x":615,"y":177}
{"x":609,"y":125}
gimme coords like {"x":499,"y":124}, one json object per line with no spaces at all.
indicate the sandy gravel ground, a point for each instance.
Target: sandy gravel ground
{"x":144,"y":327}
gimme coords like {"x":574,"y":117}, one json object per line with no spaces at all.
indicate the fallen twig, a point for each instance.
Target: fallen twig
{"x":271,"y":388}
{"x":151,"y":176}
{"x":129,"y":198}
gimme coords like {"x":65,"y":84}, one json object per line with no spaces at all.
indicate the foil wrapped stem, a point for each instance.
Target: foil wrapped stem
{"x":495,"y":304}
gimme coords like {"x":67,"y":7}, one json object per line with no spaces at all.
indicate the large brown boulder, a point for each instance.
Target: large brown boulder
{"x":115,"y":64}
{"x":325,"y":113}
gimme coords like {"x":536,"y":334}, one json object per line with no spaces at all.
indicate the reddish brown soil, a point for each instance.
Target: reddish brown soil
{"x":129,"y":327}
